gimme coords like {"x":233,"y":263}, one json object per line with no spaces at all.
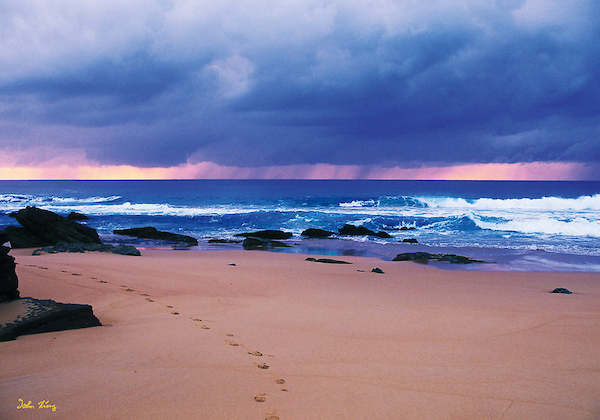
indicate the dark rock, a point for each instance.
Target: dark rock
{"x":126,"y":250}
{"x":317,"y":233}
{"x":407,"y":228}
{"x":51,"y":228}
{"x":222,"y":241}
{"x":424,"y":257}
{"x":377,"y":270}
{"x":382,"y":234}
{"x":20,"y":237}
{"x":327,"y":261}
{"x":352,"y":230}
{"x":562,"y":290}
{"x":77,"y":216}
{"x":266,"y":234}
{"x":232,"y":264}
{"x":151,"y":233}
{"x":410,"y":240}
{"x":40,"y":316}
{"x":251,"y":243}
{"x":12,"y":214}
{"x":9,"y":283}
{"x":83,"y":247}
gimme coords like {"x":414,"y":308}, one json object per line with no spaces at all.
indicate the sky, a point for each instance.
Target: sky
{"x":405,"y":89}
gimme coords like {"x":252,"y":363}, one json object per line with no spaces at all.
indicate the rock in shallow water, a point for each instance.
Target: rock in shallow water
{"x":424,"y":257}
{"x":150,"y":232}
{"x":266,"y":234}
{"x":317,"y":233}
{"x":261,"y":243}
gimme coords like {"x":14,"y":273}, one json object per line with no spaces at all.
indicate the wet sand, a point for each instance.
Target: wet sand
{"x":186,"y":335}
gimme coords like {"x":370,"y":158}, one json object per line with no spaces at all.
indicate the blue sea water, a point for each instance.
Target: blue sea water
{"x":519,"y":225}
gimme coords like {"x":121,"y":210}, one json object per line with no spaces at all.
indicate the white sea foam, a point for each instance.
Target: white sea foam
{"x":359,"y":203}
{"x":586,"y":202}
{"x":544,"y":224}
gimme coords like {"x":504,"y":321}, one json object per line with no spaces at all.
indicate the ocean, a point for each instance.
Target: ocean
{"x":528,"y":226}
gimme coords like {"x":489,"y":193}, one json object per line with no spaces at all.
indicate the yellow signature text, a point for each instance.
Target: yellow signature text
{"x":29,"y":404}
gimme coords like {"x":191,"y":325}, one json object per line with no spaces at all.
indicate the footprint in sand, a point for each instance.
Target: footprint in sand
{"x":204,"y":327}
{"x":231,"y":343}
{"x":94,"y":278}
{"x":280,"y":381}
{"x":63,"y":271}
{"x":44,"y":268}
{"x":144,"y":294}
{"x":255,"y":353}
{"x":175,"y":313}
{"x":196,"y":319}
{"x":260,"y":397}
{"x":102,"y":281}
{"x":229,"y":335}
{"x":263,"y":366}
{"x":284,"y":390}
{"x":170,"y":306}
{"x":272,"y":418}
{"x":129,"y":290}
{"x":149,"y":300}
{"x":75,"y":274}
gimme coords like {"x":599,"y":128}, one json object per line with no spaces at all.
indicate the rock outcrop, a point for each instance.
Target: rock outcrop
{"x":77,"y":216}
{"x":317,"y":233}
{"x":42,"y":227}
{"x":9,"y":283}
{"x":251,"y":243}
{"x":222,"y":241}
{"x":410,"y":240}
{"x":83,"y":247}
{"x":352,"y":230}
{"x":39,"y":316}
{"x":149,"y":232}
{"x":425,"y":257}
{"x":267,"y":234}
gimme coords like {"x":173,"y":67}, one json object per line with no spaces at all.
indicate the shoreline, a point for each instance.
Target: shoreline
{"x":497,"y":259}
{"x":415,"y":342}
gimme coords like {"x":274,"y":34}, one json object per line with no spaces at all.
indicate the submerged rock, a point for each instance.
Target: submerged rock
{"x":562,"y":290}
{"x":150,"y":232}
{"x":317,"y":233}
{"x":39,"y":316}
{"x":267,"y":234}
{"x":410,"y":241}
{"x":327,"y":261}
{"x":407,"y":228}
{"x":424,"y":257}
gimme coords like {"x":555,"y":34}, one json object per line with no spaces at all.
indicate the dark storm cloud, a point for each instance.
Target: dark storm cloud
{"x":248,"y":83}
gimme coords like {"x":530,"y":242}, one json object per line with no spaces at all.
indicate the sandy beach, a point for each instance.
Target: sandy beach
{"x":187,"y":335}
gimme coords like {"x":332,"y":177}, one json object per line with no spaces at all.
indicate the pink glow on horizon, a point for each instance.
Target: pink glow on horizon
{"x":210,"y":170}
